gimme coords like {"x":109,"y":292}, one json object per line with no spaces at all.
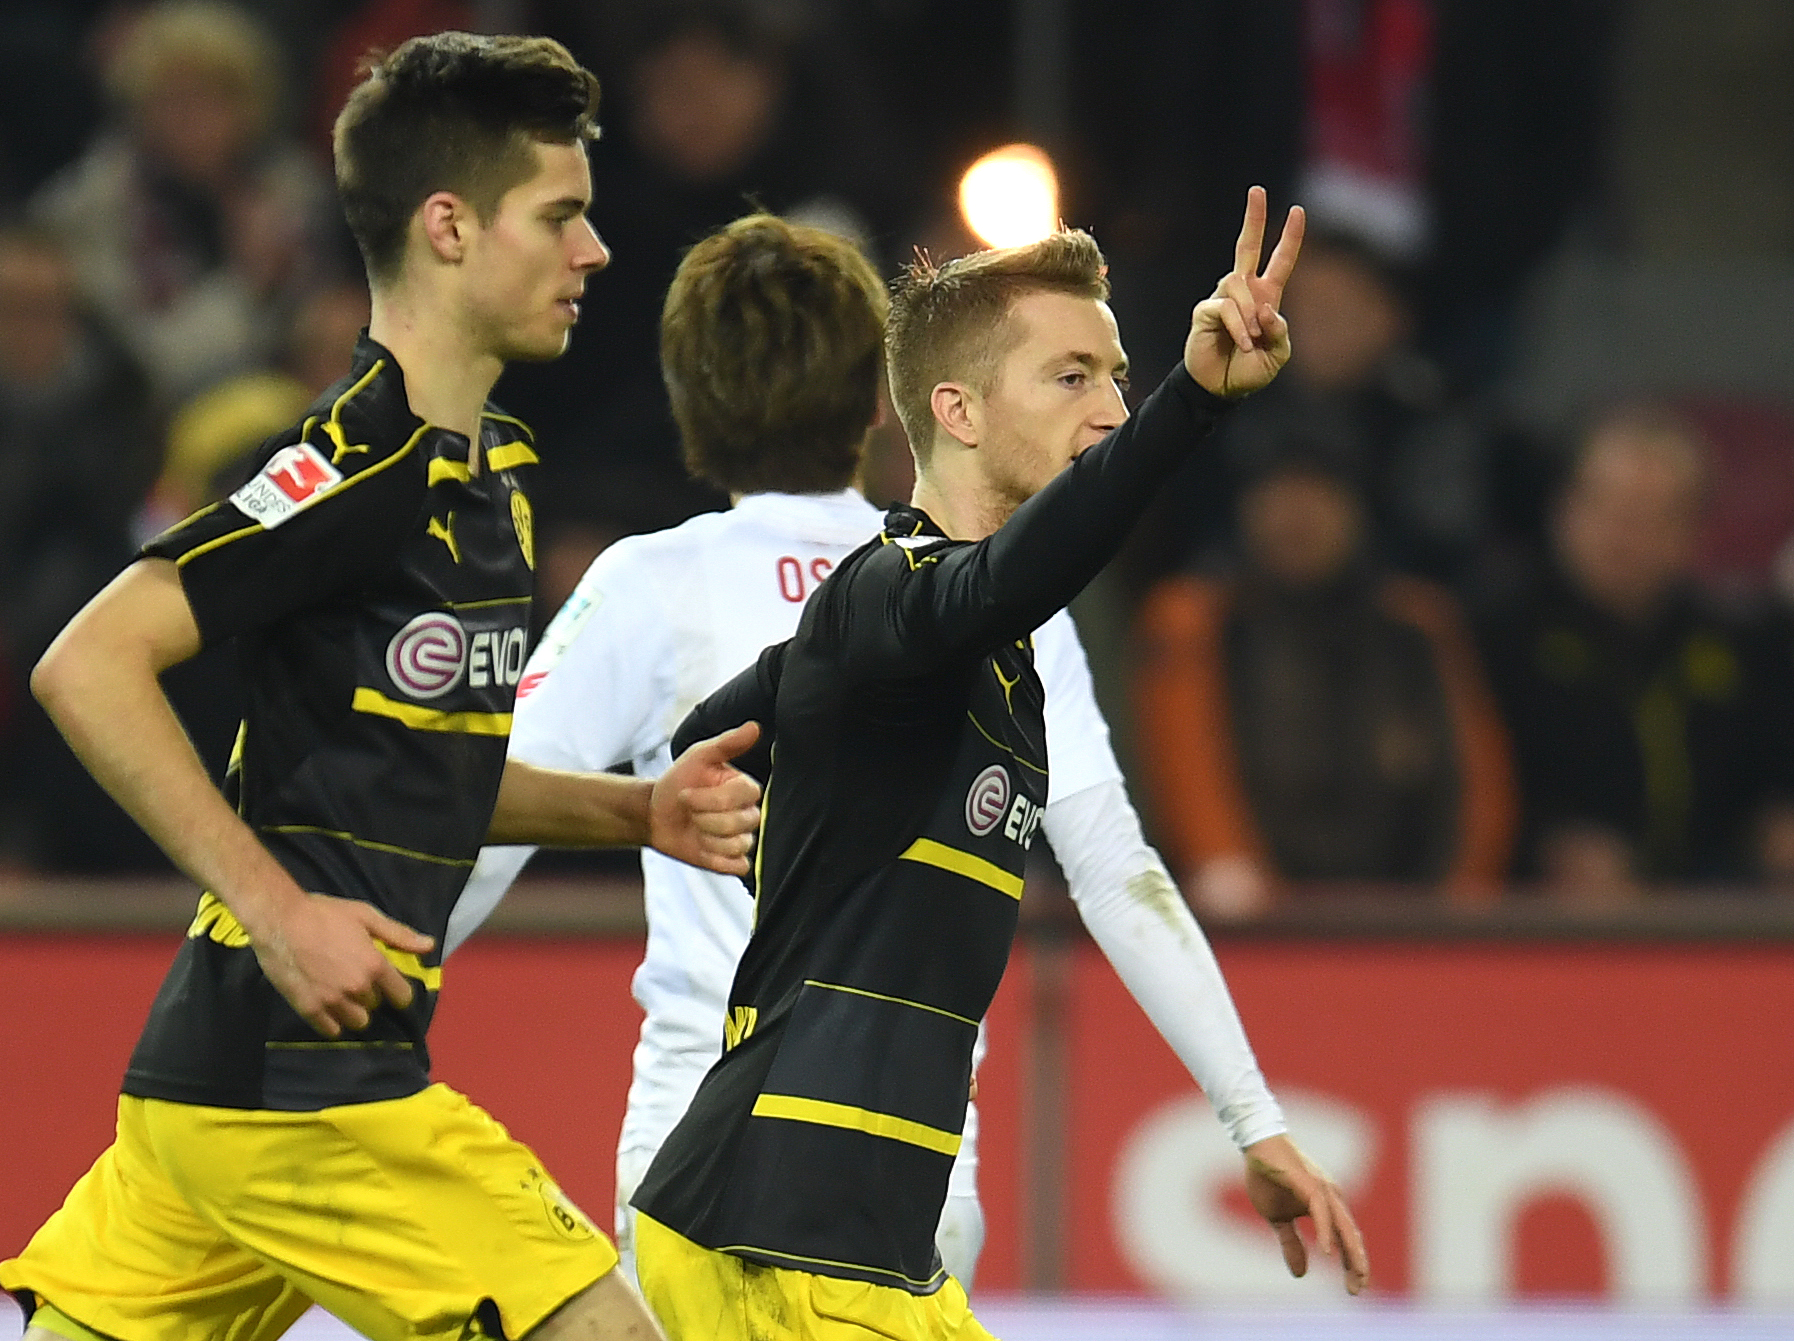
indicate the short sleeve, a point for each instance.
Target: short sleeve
{"x":599,"y":691}
{"x":310,"y":524}
{"x":1079,"y":755}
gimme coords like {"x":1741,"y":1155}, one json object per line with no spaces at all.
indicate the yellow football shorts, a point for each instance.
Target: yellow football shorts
{"x":410,"y":1218}
{"x":702,"y":1295}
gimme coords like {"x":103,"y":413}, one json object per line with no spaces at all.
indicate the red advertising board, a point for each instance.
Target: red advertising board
{"x":1507,"y":1117}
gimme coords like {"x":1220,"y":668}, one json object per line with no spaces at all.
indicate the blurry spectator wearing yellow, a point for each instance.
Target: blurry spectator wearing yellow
{"x":210,"y":436}
{"x":1654,"y":729}
{"x":1313,"y":717}
{"x":189,"y":220}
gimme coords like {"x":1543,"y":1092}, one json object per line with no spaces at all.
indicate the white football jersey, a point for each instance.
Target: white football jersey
{"x":659,"y":622}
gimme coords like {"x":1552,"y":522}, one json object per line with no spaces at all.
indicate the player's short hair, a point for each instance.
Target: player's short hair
{"x":950,"y":323}
{"x":771,"y":345}
{"x":452,"y":112}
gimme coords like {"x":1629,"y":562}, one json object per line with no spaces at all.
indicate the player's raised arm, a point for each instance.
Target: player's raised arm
{"x":1030,"y":451}
{"x":98,"y":682}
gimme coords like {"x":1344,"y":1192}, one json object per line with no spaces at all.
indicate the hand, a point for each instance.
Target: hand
{"x":1238,"y":338}
{"x":703,"y":812}
{"x":1283,"y":1183}
{"x":324,"y":958}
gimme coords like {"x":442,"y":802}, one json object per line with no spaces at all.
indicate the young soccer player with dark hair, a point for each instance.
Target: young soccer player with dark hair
{"x":908,"y":773}
{"x":279,"y":1140}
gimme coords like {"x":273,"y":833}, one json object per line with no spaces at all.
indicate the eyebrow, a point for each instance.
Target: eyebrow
{"x":578,"y":204}
{"x":1095,"y":364}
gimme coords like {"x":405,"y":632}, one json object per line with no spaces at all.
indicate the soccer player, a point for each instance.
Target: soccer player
{"x":770,"y":344}
{"x":909,"y":764}
{"x":279,"y":1141}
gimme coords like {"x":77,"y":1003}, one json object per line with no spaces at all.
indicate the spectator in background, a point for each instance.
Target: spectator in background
{"x":190,"y":222}
{"x":1652,"y":729}
{"x":1314,"y":718}
{"x":1423,"y":460}
{"x":212,"y":433}
{"x":706,"y":118}
{"x":76,"y":454}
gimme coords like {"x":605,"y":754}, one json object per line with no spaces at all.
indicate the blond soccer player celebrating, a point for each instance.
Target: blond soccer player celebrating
{"x":908,"y":731}
{"x":778,"y":418}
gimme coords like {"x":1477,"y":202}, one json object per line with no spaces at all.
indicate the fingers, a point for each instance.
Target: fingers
{"x":736,"y":794}
{"x":1295,"y":1253}
{"x":1250,"y":245}
{"x":1238,"y":288}
{"x":1289,"y":246}
{"x":391,"y":984}
{"x":735,"y":741}
{"x":393,"y":932}
{"x":1354,"y":1255}
{"x":1226,"y":314}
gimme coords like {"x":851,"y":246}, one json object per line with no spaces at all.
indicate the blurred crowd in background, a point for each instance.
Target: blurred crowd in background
{"x":1489,"y":593}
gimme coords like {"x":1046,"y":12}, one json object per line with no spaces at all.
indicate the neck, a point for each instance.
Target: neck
{"x":447,"y":376}
{"x":952,"y":491}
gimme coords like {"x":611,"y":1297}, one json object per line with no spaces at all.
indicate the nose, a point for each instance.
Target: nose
{"x":1112,"y":413}
{"x":592,"y":254}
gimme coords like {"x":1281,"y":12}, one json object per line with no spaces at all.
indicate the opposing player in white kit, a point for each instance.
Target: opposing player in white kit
{"x":771,"y":342}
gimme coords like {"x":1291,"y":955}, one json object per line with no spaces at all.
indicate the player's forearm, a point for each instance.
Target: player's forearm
{"x":98,"y":682}
{"x":552,"y":808}
{"x":1058,"y":540}
{"x":1142,"y":925}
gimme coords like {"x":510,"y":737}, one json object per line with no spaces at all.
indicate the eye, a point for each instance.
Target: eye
{"x":1122,"y":382}
{"x":1075,"y":378}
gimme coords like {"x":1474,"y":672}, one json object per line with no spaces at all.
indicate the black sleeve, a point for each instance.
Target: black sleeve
{"x":750,"y":697}
{"x":240,"y":573}
{"x":911,"y":605}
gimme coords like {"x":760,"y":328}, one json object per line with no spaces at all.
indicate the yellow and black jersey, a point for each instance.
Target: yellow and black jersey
{"x":906,"y":777}
{"x":378,"y":590}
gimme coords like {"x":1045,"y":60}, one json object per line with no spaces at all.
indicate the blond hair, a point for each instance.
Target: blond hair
{"x":219,"y":40}
{"x":950,"y":323}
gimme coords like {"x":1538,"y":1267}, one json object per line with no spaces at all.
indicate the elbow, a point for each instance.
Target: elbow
{"x":49,"y":678}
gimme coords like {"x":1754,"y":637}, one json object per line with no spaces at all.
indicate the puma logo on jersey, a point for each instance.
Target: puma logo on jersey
{"x":445,"y":532}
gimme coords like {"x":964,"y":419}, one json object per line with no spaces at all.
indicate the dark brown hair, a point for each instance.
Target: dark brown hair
{"x":770,"y":344}
{"x":950,"y":323}
{"x":451,"y":112}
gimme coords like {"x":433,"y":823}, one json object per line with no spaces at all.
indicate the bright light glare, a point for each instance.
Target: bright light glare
{"x":1010,"y":197}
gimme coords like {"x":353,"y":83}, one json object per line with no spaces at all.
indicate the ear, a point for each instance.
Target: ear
{"x":955,"y":407}
{"x":446,"y":220}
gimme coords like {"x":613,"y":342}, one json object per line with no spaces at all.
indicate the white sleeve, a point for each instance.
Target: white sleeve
{"x":1142,"y":924}
{"x":1078,"y":751}
{"x":600,"y":688}
{"x":597,"y":691}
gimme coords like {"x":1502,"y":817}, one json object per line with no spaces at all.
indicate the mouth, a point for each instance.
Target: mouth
{"x":569,"y":307}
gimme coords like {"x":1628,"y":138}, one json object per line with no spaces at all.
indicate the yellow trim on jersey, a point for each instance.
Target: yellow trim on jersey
{"x":217,"y":542}
{"x":510,"y":455}
{"x":880,"y":996}
{"x":931,"y":853}
{"x":351,"y":481}
{"x":376,"y":704}
{"x":1025,"y":763}
{"x":368,"y":843}
{"x":528,"y":432}
{"x":333,"y":426}
{"x":216,"y":922}
{"x":792,"y":1108}
{"x":441,"y":468}
{"x":485,"y":605}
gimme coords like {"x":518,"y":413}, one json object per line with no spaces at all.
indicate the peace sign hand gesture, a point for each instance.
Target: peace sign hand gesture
{"x":1238,"y":339}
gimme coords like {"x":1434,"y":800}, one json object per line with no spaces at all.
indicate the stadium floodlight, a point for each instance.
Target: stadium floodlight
{"x":1010,"y":197}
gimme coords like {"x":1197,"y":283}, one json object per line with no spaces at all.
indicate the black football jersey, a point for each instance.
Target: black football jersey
{"x":379,"y":594}
{"x":907,"y":774}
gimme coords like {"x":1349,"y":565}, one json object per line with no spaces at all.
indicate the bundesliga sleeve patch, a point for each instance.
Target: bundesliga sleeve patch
{"x":294,"y":478}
